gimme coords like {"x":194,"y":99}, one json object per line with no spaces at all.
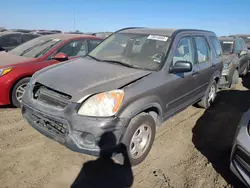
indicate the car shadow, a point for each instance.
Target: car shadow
{"x":104,"y":171}
{"x":214,"y":131}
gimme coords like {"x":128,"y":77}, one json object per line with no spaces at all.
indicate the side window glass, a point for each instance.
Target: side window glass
{"x":243,"y":44}
{"x":74,"y":48}
{"x":216,"y":45}
{"x":203,"y":49}
{"x":93,"y":44}
{"x":238,"y":47}
{"x":184,"y":51}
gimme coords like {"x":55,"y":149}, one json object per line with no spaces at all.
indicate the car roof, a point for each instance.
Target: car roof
{"x":68,"y":36}
{"x":227,"y":38}
{"x":12,"y":32}
{"x":241,"y":35}
{"x":159,"y":31}
{"x":8,"y":32}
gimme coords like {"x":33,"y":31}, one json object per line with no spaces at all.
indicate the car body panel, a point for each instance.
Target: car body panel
{"x":238,"y":62}
{"x":167,"y":92}
{"x":240,"y":155}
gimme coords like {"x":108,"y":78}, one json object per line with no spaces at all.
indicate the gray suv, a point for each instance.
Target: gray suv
{"x":236,"y":61}
{"x":128,"y":86}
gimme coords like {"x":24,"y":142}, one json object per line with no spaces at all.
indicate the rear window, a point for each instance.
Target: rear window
{"x":227,"y":46}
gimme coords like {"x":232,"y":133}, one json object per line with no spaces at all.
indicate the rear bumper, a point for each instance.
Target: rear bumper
{"x":78,"y":133}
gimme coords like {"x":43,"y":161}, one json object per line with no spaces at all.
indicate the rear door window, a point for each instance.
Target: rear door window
{"x":93,"y":44}
{"x":203,"y":49}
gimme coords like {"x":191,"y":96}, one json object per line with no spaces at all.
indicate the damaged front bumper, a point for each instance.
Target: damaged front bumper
{"x":226,"y":78}
{"x":78,"y":133}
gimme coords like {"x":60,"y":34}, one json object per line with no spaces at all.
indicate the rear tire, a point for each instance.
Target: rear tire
{"x":209,"y":96}
{"x":138,"y":147}
{"x":18,"y":91}
{"x":235,"y":79}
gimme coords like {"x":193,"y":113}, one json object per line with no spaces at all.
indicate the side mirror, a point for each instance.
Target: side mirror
{"x":243,"y":52}
{"x":60,"y":57}
{"x":181,"y":67}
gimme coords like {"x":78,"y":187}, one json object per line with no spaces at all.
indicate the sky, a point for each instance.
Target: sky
{"x":221,"y":16}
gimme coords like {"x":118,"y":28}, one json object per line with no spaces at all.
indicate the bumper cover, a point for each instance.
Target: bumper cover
{"x":226,"y":78}
{"x":240,"y":156}
{"x":4,"y":91}
{"x":78,"y":133}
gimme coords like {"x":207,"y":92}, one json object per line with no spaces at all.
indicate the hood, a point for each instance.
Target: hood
{"x":85,"y":76}
{"x":7,"y":59}
{"x":228,"y":58}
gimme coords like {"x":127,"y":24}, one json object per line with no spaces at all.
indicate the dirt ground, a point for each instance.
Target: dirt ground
{"x":191,"y":150}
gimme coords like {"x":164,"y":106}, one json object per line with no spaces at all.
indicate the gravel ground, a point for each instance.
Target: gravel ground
{"x":191,"y":150}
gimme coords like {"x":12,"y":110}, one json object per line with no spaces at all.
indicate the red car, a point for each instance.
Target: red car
{"x":18,"y":65}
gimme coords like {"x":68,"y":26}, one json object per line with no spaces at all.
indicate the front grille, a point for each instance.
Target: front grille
{"x":53,"y":126}
{"x":50,"y":96}
{"x":243,"y":160}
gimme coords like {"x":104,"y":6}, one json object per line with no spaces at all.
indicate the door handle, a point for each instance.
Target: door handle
{"x":194,"y":73}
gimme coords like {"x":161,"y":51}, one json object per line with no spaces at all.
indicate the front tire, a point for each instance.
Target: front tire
{"x":139,"y":137}
{"x":209,"y":96}
{"x":18,"y":91}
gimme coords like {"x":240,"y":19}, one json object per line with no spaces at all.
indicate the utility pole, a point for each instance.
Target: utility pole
{"x":74,"y":20}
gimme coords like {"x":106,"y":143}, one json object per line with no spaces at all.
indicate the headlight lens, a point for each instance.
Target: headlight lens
{"x":228,"y":65}
{"x":103,"y":104}
{"x":4,"y":71}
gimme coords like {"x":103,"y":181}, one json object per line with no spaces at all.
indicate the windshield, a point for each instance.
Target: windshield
{"x":140,"y":51}
{"x":36,"y":47}
{"x":227,"y":46}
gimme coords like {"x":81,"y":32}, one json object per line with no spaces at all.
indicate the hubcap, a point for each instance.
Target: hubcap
{"x":140,"y":141}
{"x":20,"y":91}
{"x":211,"y":94}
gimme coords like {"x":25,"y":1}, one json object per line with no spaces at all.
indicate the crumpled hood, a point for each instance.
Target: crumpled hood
{"x":228,"y":58}
{"x":83,"y":76}
{"x":7,"y":59}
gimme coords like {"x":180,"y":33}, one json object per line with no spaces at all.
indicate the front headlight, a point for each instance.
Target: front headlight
{"x":4,"y":71}
{"x":228,"y":65}
{"x":103,"y":104}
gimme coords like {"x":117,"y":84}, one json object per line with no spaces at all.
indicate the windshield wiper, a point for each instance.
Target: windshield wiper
{"x":93,"y":57}
{"x":120,"y":63}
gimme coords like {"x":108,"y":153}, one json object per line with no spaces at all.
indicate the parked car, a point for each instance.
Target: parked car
{"x":245,"y":37}
{"x":128,"y":85}
{"x":2,"y":29}
{"x":10,"y":40}
{"x":240,"y":155}
{"x":19,"y":64}
{"x":236,"y":61}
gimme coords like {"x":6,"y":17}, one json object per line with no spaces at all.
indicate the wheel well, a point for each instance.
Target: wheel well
{"x":13,"y":85}
{"x":155,"y":113}
{"x":217,"y":79}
